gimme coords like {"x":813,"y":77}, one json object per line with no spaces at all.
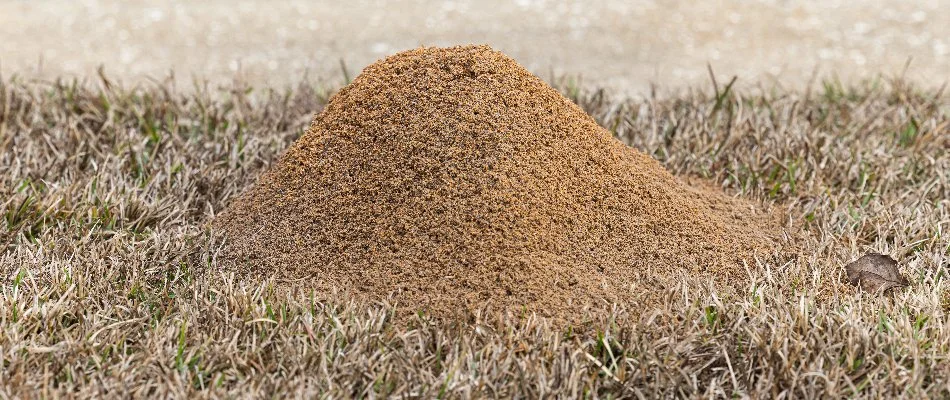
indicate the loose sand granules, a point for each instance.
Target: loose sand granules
{"x":454,"y":180}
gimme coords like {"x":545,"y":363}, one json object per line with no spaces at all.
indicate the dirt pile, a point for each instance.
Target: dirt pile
{"x":455,"y":180}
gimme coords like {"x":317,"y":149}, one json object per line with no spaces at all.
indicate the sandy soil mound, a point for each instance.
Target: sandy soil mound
{"x":455,"y":180}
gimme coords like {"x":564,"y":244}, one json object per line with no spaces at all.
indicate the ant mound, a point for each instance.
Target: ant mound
{"x":453,"y":181}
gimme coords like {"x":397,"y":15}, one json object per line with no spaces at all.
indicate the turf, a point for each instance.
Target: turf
{"x":110,"y":286}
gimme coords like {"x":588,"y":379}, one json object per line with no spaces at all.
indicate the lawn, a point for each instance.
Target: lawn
{"x":110,"y":285}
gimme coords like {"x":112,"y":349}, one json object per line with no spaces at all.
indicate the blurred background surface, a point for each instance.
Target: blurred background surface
{"x":623,"y":45}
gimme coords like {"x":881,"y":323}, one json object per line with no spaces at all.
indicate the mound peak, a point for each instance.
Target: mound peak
{"x":455,"y":180}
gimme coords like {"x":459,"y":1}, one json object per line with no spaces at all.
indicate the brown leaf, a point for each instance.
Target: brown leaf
{"x":875,"y":272}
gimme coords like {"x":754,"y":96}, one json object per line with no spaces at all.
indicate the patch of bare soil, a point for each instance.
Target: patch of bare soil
{"x":454,"y":181}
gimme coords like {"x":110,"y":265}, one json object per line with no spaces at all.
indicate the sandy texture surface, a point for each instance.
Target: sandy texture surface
{"x":623,"y":44}
{"x":457,"y":182}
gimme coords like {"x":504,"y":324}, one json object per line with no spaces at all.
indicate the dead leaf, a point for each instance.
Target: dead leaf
{"x":875,"y":272}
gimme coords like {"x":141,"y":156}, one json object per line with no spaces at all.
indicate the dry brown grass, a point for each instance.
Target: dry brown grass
{"x":109,"y":285}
